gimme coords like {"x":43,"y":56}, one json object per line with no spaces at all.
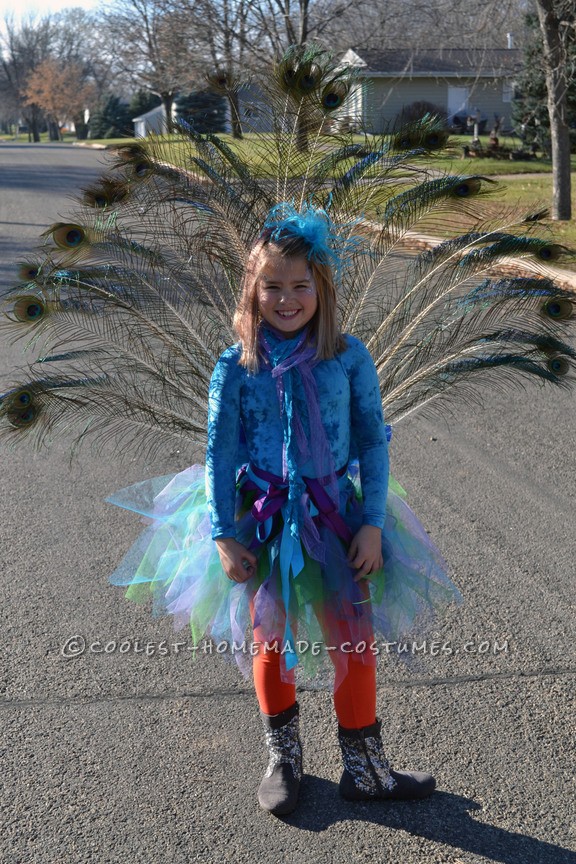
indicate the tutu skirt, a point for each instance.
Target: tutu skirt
{"x":330,"y":615}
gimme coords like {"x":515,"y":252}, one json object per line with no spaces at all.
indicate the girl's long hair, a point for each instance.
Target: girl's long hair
{"x":323,"y":330}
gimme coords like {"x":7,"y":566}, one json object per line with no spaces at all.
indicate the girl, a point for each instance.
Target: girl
{"x":309,"y":550}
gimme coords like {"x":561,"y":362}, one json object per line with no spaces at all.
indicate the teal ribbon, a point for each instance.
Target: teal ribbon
{"x":291,"y":561}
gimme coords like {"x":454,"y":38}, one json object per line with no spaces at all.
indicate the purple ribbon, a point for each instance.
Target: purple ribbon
{"x":327,"y":510}
{"x":271,"y":500}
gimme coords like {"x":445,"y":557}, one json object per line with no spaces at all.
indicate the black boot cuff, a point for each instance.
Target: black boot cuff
{"x":276,"y":721}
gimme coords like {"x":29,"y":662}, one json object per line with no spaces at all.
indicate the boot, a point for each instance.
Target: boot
{"x":278,"y":790}
{"x":367,"y":774}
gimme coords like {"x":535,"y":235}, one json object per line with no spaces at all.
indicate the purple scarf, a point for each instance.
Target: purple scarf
{"x":291,"y":362}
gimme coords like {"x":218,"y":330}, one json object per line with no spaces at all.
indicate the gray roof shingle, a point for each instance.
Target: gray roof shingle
{"x":447,"y":61}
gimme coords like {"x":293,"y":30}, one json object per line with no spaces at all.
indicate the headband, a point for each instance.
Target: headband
{"x":326,"y":241}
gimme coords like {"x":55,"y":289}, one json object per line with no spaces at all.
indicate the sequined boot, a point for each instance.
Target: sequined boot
{"x":367,"y":773}
{"x":278,"y":790}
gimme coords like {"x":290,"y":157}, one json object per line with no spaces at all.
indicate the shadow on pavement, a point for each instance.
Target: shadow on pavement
{"x":444,"y":818}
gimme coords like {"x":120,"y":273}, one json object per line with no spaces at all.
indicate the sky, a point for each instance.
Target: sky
{"x":22,"y":8}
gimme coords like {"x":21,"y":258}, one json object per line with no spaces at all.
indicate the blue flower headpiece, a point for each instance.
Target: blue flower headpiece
{"x":327,"y":243}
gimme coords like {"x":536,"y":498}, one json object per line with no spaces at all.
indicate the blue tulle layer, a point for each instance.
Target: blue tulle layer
{"x":176,"y":562}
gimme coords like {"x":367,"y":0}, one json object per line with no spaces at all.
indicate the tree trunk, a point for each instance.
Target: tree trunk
{"x":33,"y":128}
{"x":304,"y":21}
{"x":168,"y":101}
{"x":302,"y":129}
{"x":81,"y":129}
{"x":555,"y":67}
{"x":235,"y":120}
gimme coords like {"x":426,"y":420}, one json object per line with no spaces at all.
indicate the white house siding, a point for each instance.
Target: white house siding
{"x":151,"y":123}
{"x":385,"y":98}
{"x":486,"y":94}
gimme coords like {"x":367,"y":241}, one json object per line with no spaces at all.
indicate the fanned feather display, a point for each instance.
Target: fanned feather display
{"x":132,"y":300}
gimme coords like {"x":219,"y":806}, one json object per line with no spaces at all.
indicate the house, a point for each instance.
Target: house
{"x":154,"y":122}
{"x":151,"y":123}
{"x":460,"y":82}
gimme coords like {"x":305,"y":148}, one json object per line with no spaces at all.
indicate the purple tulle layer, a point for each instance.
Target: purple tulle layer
{"x":176,"y":562}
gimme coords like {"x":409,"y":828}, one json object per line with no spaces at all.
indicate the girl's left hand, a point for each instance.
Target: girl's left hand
{"x":365,"y":553}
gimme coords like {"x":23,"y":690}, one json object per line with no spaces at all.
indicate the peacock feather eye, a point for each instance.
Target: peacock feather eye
{"x":558,"y":365}
{"x":334,"y":95}
{"x":68,"y":236}
{"x":287,"y":72}
{"x":419,"y":137}
{"x":28,"y":308}
{"x":331,"y":100}
{"x":220,"y":81}
{"x":142,"y":168}
{"x":435,"y":140}
{"x":550,"y":252}
{"x":103,"y":194}
{"x":299,"y":77}
{"x":19,"y":407}
{"x":74,"y":237}
{"x":560,"y":308}
{"x":309,"y":77}
{"x":28,"y":272}
{"x":26,"y":417}
{"x":22,"y":416}
{"x":466,"y":188}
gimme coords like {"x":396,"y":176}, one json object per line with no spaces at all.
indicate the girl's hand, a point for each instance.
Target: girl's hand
{"x":237,"y":562}
{"x":365,"y":553}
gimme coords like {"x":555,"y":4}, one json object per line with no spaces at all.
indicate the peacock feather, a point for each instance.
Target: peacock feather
{"x":130,"y":302}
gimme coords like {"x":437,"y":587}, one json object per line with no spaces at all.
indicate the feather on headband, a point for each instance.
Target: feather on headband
{"x":326,"y":241}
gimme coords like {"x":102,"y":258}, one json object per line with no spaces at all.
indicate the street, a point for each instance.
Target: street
{"x":130,"y":747}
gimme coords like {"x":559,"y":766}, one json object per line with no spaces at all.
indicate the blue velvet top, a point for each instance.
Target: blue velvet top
{"x":244,"y":424}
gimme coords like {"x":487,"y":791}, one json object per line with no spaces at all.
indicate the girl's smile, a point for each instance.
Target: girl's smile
{"x":286,"y":292}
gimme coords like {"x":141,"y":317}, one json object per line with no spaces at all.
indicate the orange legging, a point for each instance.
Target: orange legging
{"x":354,"y":700}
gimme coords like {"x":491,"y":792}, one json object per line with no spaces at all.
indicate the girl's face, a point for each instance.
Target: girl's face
{"x":286,"y":292}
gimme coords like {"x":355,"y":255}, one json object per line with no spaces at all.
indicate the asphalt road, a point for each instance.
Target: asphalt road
{"x":142,"y":754}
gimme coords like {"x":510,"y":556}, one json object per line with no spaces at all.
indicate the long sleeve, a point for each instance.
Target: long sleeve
{"x":223,"y":442}
{"x":368,"y":432}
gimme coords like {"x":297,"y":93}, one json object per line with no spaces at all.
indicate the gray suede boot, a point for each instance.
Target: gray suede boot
{"x":367,"y":774}
{"x":279,"y":788}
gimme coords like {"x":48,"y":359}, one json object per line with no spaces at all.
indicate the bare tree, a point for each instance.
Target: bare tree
{"x":69,"y":37}
{"x":221,"y":33}
{"x":79,"y":40}
{"x":281,"y":23}
{"x":386,"y":24}
{"x":23,"y":48}
{"x":232,"y":36}
{"x":558,"y":26}
{"x":151,"y":48}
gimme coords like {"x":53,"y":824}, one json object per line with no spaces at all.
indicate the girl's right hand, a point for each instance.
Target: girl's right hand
{"x":238,"y":563}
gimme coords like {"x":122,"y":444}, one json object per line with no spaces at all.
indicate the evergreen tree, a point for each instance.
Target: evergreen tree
{"x":204,"y":110}
{"x":142,"y":102}
{"x":529,"y":109}
{"x":111,"y":119}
